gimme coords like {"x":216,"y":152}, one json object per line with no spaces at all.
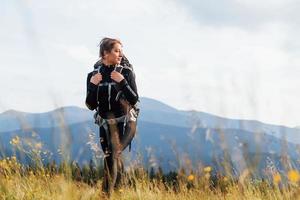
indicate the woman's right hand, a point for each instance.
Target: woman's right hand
{"x":96,"y":79}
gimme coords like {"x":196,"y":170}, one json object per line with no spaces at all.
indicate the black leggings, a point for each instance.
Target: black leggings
{"x":113,"y":142}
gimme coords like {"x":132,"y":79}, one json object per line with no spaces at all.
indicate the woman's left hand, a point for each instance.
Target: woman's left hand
{"x":116,"y":76}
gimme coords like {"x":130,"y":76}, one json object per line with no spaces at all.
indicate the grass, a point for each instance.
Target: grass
{"x":68,"y":181}
{"x":20,"y":182}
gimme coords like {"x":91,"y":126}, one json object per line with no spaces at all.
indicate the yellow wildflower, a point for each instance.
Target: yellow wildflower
{"x":121,"y":190}
{"x":276,"y":178}
{"x":15,"y":140}
{"x":207,"y":169}
{"x":191,"y":177}
{"x":293,"y":176}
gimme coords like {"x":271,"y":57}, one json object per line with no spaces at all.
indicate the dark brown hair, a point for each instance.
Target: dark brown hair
{"x":107,"y":44}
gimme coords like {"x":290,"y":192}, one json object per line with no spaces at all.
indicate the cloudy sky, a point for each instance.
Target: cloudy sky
{"x":233,"y":58}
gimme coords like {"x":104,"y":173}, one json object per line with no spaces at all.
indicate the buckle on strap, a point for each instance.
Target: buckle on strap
{"x":132,"y":115}
{"x":101,"y":121}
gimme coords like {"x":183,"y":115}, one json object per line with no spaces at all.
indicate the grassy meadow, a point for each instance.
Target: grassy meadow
{"x":67,"y":180}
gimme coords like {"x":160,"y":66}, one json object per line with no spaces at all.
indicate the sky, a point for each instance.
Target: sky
{"x":233,"y":58}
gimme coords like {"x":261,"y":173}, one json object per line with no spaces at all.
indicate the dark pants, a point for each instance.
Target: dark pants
{"x":113,"y":142}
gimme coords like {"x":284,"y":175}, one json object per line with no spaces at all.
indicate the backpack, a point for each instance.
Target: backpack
{"x":132,"y":111}
{"x":124,"y":64}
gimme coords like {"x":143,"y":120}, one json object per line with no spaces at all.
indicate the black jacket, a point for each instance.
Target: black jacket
{"x":109,"y":93}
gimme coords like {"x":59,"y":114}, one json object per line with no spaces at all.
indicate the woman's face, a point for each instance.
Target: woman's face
{"x":115,"y":56}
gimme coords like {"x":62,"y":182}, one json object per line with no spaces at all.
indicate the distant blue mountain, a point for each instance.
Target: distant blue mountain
{"x":151,"y":111}
{"x":14,"y":120}
{"x":165,"y":135}
{"x":167,"y":146}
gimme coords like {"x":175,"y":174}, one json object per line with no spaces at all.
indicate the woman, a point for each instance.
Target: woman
{"x":112,"y":91}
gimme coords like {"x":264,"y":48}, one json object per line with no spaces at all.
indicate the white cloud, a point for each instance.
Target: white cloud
{"x":80,"y":53}
{"x":189,"y":61}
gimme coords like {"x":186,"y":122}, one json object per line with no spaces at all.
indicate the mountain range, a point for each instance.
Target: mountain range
{"x":166,"y":136}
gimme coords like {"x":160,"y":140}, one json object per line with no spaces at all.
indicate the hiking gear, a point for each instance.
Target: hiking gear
{"x":117,"y":110}
{"x":111,"y":92}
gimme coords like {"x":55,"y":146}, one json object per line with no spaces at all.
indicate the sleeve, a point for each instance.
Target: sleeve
{"x":129,"y":88}
{"x":91,"y":94}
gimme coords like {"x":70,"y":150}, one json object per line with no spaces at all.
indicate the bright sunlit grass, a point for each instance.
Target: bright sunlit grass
{"x":20,"y":182}
{"x":67,"y":180}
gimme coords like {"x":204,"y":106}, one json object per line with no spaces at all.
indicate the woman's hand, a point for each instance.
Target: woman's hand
{"x":96,"y":79}
{"x":116,"y":76}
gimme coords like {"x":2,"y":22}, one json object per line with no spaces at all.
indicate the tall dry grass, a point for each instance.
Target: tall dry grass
{"x":17,"y":182}
{"x":37,"y":181}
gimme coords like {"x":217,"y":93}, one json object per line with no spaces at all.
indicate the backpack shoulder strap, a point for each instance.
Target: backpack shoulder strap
{"x":98,"y":68}
{"x":119,"y":68}
{"x":126,"y":67}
